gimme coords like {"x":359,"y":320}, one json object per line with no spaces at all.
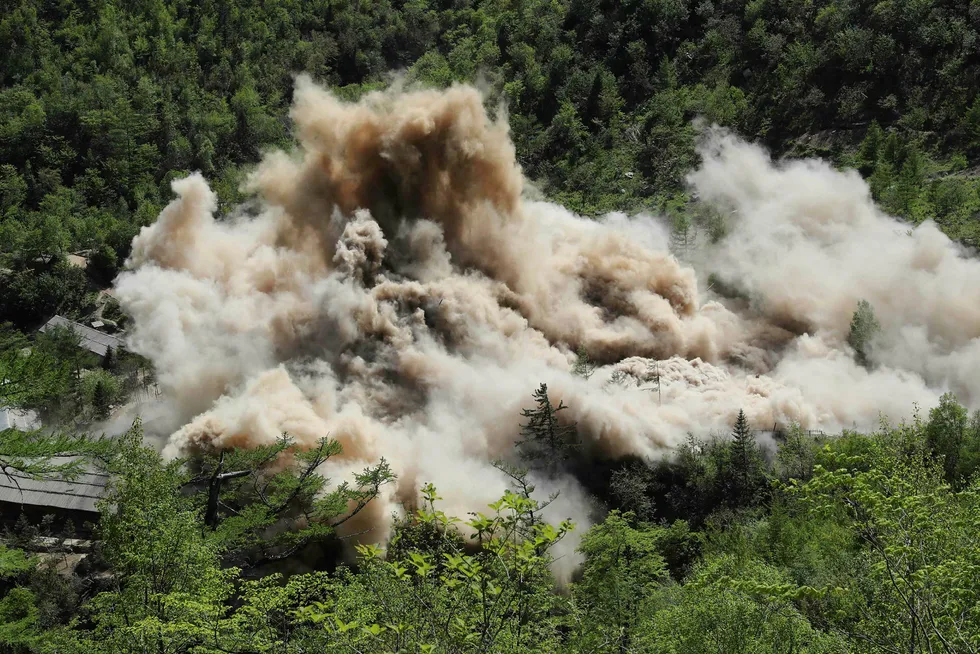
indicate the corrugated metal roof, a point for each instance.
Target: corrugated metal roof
{"x":80,"y":494}
{"x":92,"y":339}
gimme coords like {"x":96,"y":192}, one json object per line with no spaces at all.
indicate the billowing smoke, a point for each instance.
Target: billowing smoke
{"x":396,"y":290}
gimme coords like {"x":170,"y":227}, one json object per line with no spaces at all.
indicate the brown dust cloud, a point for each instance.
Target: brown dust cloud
{"x":394,"y":286}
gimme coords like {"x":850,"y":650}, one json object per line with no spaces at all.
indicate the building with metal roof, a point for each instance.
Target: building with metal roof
{"x":92,"y":339}
{"x":73,"y":500}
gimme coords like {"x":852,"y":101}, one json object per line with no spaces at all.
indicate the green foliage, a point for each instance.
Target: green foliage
{"x":169,"y":584}
{"x":100,"y":390}
{"x":30,"y":377}
{"x":623,"y":568}
{"x":101,"y":399}
{"x":496,"y":599}
{"x":952,"y":436}
{"x":109,"y":359}
{"x":971,"y":124}
{"x":915,"y":587}
{"x":64,"y":383}
{"x":734,"y":606}
{"x":30,"y":294}
{"x":870,"y":148}
{"x":267,"y":503}
{"x":682,"y":234}
{"x":103,"y":264}
{"x":100,"y":106}
{"x":39,"y":455}
{"x":18,"y":621}
{"x":797,"y":454}
{"x":863,"y":548}
{"x":629,"y":486}
{"x":13,"y":562}
{"x":171,"y":590}
{"x":864,"y":328}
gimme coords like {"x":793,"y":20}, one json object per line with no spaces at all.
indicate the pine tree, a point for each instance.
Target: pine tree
{"x":908,"y":183}
{"x":584,"y":366}
{"x":109,"y":359}
{"x":742,"y":440}
{"x":101,"y":399}
{"x":545,"y":442}
{"x":870,"y":148}
{"x":893,"y":151}
{"x":40,"y":455}
{"x":744,"y":457}
{"x":882,"y":183}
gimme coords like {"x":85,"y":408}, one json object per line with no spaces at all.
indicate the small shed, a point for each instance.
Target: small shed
{"x":92,"y":339}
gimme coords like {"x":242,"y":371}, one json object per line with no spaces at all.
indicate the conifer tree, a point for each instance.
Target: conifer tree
{"x":743,"y":461}
{"x":109,"y":359}
{"x":584,"y":366}
{"x":545,"y":442}
{"x":870,"y":148}
{"x":882,"y":182}
{"x":743,"y":443}
{"x":893,"y":151}
{"x":101,"y":399}
{"x":909,"y":182}
{"x":39,"y":455}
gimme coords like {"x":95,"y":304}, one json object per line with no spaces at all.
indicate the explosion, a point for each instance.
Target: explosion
{"x":394,"y":288}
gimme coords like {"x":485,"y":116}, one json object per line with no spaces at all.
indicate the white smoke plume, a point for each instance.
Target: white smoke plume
{"x":397,"y":291}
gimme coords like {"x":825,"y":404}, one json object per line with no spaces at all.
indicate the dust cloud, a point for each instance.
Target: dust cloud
{"x":396,"y":289}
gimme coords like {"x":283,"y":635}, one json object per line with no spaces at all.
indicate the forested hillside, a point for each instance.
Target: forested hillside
{"x":103,"y":103}
{"x":346,"y":372}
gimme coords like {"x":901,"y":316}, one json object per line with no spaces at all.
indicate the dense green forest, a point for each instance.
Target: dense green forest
{"x":859,"y":543}
{"x":103,"y":103}
{"x":812,"y":543}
